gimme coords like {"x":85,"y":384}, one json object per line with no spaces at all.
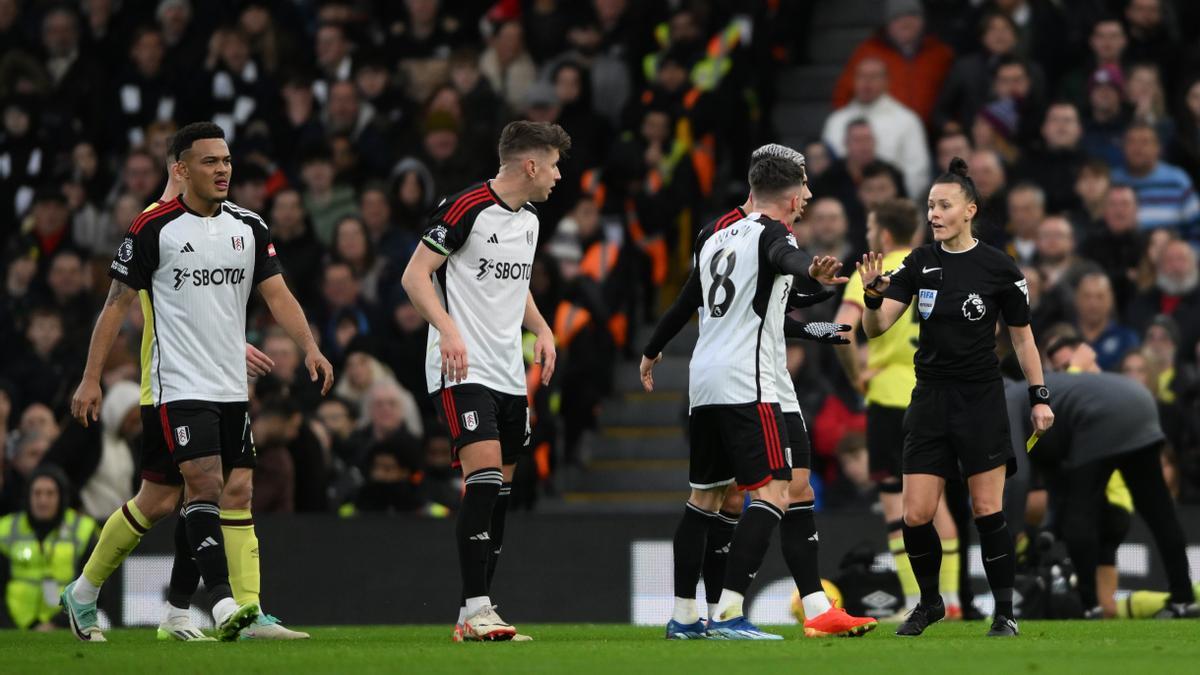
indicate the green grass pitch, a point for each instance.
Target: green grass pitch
{"x":1126,"y":647}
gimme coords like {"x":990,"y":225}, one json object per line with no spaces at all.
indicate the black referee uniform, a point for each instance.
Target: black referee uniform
{"x":957,"y":422}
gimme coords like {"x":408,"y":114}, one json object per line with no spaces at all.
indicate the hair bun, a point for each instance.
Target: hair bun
{"x":958,"y":166}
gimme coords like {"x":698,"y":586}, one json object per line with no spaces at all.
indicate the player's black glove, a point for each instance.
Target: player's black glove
{"x":800,"y":300}
{"x":824,"y":332}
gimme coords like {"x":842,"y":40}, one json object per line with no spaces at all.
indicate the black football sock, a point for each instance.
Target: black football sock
{"x":999,"y":560}
{"x":751,"y":538}
{"x":208,"y":547}
{"x":480,"y":492}
{"x":716,"y":554}
{"x":925,"y":555}
{"x":688,"y":547}
{"x":185,"y":575}
{"x":499,"y":513}
{"x":798,"y":533}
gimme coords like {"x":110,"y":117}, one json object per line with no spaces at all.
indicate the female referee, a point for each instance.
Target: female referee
{"x":957,"y":415}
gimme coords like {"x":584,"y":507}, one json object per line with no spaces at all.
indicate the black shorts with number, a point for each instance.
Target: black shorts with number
{"x":797,"y":438}
{"x":885,"y":441}
{"x":957,"y":425}
{"x":746,"y":444}
{"x":182,"y":430}
{"x":474,"y":413}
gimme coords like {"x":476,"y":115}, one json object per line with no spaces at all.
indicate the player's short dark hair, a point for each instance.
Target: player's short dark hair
{"x":523,"y":136}
{"x":898,"y":217}
{"x":1010,"y":60}
{"x":1141,"y":125}
{"x":958,"y":175}
{"x":183,"y":139}
{"x":1096,"y":166}
{"x":877,"y":168}
{"x":771,"y":176}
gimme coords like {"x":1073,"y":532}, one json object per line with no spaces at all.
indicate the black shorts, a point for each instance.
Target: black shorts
{"x":885,"y":441}
{"x":960,"y":425}
{"x":746,"y":444}
{"x":474,"y":413}
{"x":797,"y":438}
{"x":181,"y":430}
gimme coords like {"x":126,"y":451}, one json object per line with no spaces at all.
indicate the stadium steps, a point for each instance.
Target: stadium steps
{"x":804,"y":92}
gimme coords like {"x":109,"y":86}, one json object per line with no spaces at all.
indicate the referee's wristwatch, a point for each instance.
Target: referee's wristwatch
{"x":1039,"y":393}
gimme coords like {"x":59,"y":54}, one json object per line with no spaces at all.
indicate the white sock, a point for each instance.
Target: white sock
{"x":462,"y":614}
{"x":223,"y":609}
{"x":174,"y":612}
{"x":712,"y":610}
{"x":685,"y":611}
{"x":815,"y":604}
{"x":950,"y":598}
{"x":729,"y":606}
{"x":84,"y":592}
{"x":477,"y":603}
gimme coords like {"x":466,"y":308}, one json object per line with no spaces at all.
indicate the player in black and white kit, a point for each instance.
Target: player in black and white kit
{"x":957,"y":420}
{"x":742,"y":280}
{"x":197,"y":257}
{"x":470,"y":281}
{"x":702,"y":539}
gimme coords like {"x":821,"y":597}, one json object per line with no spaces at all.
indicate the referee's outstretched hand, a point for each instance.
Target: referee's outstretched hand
{"x":85,"y":404}
{"x":646,"y":369}
{"x":871,"y":270}
{"x":318,"y":364}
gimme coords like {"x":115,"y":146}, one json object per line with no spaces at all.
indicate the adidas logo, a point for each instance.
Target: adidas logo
{"x":187,"y":248}
{"x":208,"y":541}
{"x":482,"y":536}
{"x":724,"y":550}
{"x":493,"y":239}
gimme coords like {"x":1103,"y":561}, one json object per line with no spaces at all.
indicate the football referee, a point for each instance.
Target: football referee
{"x":957,"y":423}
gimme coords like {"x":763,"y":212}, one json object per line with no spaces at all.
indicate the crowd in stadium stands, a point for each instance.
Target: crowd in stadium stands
{"x":349,"y":119}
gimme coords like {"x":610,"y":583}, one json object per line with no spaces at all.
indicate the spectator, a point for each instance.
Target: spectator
{"x":827,"y":220}
{"x":1091,"y":188}
{"x":344,"y":314}
{"x":1107,"y":115}
{"x":387,"y":422}
{"x":1152,"y":38}
{"x":966,"y":88}
{"x":1040,"y":30}
{"x":101,"y":459}
{"x":289,"y":371}
{"x":299,"y":127}
{"x":480,"y":110}
{"x":45,"y":368}
{"x":274,"y":428}
{"x":183,"y":41}
{"x":21,"y":152}
{"x":334,"y":61}
{"x":43,"y":547}
{"x":1166,"y":196}
{"x":506,"y":64}
{"x":1054,"y":163}
{"x":1026,"y":209}
{"x":364,"y":371}
{"x":141,"y":177}
{"x":1060,"y":268}
{"x":1176,"y":294}
{"x":234,"y":88}
{"x":422,"y":41}
{"x":25,"y":452}
{"x":346,"y":115}
{"x":297,"y":249}
{"x":1106,"y":43}
{"x":917,"y":62}
{"x":1096,"y":320}
{"x":1186,"y":150}
{"x":393,"y":479}
{"x":248,"y":189}
{"x":352,"y":245}
{"x":990,"y":178}
{"x":899,"y":134}
{"x":842,"y":179}
{"x":951,"y":144}
{"x":1118,"y":247}
{"x":817,"y":160}
{"x":67,"y":291}
{"x":145,"y":92}
{"x":325,"y":201}
{"x":73,"y":104}
{"x":1149,"y":101}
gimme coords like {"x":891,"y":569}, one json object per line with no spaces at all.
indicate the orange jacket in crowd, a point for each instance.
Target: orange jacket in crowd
{"x":914,"y":82}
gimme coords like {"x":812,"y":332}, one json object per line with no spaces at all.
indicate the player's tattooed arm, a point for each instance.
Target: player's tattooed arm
{"x":85,"y":403}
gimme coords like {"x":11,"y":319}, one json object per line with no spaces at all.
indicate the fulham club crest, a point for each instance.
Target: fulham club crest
{"x":470,"y":420}
{"x":238,"y":244}
{"x":183,"y":435}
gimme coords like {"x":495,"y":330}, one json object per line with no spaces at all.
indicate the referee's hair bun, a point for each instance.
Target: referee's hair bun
{"x":958,"y":166}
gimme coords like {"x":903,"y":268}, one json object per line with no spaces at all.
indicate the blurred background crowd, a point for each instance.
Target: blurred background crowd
{"x":349,"y":119}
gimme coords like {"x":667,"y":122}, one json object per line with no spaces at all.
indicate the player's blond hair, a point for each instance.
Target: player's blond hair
{"x":780,"y":151}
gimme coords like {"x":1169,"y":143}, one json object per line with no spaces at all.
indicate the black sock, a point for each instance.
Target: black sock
{"x":499,"y":513}
{"x":208,"y":547}
{"x":688,"y":547}
{"x":751,"y":538}
{"x":798,"y":532}
{"x":482,"y":488}
{"x":999,"y":560}
{"x":185,"y":575}
{"x":925,"y":554}
{"x":716,"y":554}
